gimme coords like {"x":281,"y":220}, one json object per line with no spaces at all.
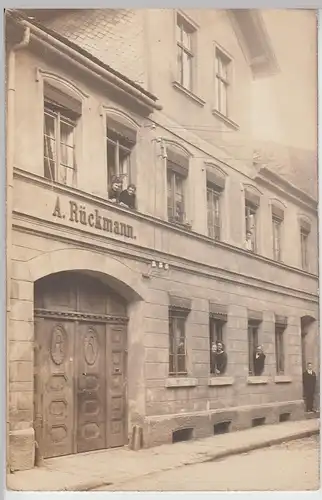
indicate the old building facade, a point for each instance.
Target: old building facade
{"x":113,"y":312}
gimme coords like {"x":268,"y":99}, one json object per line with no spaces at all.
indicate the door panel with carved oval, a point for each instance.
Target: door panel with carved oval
{"x":91,"y":387}
{"x":54,"y":382}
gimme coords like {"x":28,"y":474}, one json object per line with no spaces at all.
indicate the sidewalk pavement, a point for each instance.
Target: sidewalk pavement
{"x":87,"y":471}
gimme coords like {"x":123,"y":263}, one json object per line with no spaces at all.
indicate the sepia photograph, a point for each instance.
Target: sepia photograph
{"x":162,"y":249}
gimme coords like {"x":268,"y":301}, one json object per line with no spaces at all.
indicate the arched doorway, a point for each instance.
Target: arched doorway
{"x":80,"y":379}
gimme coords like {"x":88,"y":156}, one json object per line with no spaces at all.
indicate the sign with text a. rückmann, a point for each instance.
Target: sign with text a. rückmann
{"x":79,"y":214}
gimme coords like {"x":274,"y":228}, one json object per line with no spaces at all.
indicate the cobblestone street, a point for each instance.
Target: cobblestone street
{"x":290,"y":466}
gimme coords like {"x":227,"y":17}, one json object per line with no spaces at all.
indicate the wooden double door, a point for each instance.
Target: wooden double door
{"x":80,"y":377}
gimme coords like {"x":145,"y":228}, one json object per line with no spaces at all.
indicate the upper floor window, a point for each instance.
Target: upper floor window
{"x":61,"y":115}
{"x":305,"y":229}
{"x":277,"y":223}
{"x":120,"y":142}
{"x":185,"y":52}
{"x":222,"y":82}
{"x":251,"y":219}
{"x":215,"y":187}
{"x":177,"y":172}
{"x":178,"y":313}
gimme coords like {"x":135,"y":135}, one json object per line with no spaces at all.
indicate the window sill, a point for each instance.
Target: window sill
{"x":282,"y":379}
{"x":183,"y":225}
{"x":188,"y":93}
{"x":225,"y":119}
{"x":253,"y":380}
{"x":174,"y":382}
{"x":219,"y":380}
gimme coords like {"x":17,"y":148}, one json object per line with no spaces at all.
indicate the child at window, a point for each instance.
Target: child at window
{"x":127,"y":197}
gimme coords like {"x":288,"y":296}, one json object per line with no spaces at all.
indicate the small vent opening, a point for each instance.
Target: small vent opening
{"x":284,"y":417}
{"x":222,"y":427}
{"x":258,"y":421}
{"x":182,"y":435}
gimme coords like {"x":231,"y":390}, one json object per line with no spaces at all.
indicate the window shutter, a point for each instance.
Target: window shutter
{"x":62,"y":100}
{"x":252,"y":198}
{"x":218,"y":311}
{"x":121,"y":127}
{"x":255,"y":316}
{"x":215,"y":180}
{"x":177,"y":162}
{"x":277,"y":212}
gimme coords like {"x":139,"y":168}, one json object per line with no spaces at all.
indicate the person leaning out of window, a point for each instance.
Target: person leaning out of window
{"x":128,"y":197}
{"x":115,"y":190}
{"x":259,"y":360}
{"x":218,"y":358}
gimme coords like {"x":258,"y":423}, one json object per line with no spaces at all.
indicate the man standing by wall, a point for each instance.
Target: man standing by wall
{"x":309,"y":385}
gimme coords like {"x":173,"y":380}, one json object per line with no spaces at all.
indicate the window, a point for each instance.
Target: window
{"x":250,"y":223}
{"x":185,"y":54}
{"x":213,"y":212}
{"x":222,"y":69}
{"x":252,"y":344}
{"x":279,"y":348}
{"x":218,"y":362}
{"x":120,"y":146}
{"x":304,"y":248}
{"x":177,"y":348}
{"x":277,"y":234}
{"x":175,"y":182}
{"x":59,"y":143}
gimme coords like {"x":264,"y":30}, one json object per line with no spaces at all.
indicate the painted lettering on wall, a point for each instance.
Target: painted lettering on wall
{"x":79,"y":214}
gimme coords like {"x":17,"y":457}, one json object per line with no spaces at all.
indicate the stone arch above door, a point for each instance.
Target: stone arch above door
{"x":122,"y":278}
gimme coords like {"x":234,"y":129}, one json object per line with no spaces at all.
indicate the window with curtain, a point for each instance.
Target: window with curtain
{"x":59,"y":143}
{"x":175,"y":189}
{"x":185,"y":55}
{"x":250,"y":224}
{"x":213,"y":211}
{"x":119,"y":152}
{"x":277,"y":238}
{"x":177,"y":343}
{"x":252,"y":344}
{"x":304,"y":248}
{"x":279,"y":348}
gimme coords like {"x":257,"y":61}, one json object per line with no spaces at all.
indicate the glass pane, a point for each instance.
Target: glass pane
{"x":187,"y":70}
{"x":111,"y":164}
{"x":66,"y":147}
{"x":223,"y":98}
{"x":49,"y":146}
{"x":66,"y":175}
{"x":124,"y":159}
{"x":180,"y":65}
{"x":186,"y":39}
{"x":178,"y":32}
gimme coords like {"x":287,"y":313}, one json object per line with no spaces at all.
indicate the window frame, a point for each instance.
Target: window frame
{"x":186,"y":27}
{"x":304,"y":235}
{"x":128,"y":146}
{"x":176,"y":318}
{"x":222,"y":59}
{"x":277,"y":251}
{"x":253,"y":342}
{"x":279,"y":349}
{"x":251,"y":209}
{"x":174,"y":176}
{"x":216,"y":334}
{"x":60,"y":115}
{"x":214,"y":230}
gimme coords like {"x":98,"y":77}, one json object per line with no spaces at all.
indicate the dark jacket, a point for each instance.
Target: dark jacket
{"x":127,"y":198}
{"x":221,"y":361}
{"x":259,"y":363}
{"x":113,"y":195}
{"x":309,"y":382}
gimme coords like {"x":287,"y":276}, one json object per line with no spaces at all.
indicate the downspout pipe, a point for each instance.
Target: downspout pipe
{"x":10,"y":148}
